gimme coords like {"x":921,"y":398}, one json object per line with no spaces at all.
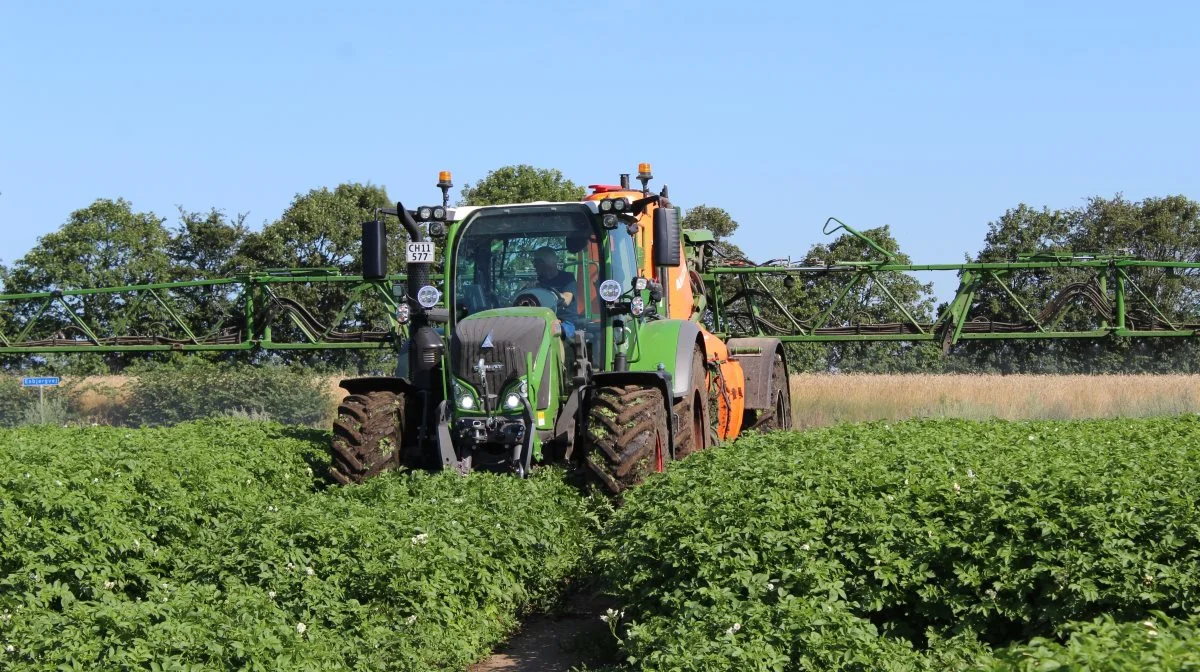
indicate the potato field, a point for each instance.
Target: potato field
{"x":920,"y":545}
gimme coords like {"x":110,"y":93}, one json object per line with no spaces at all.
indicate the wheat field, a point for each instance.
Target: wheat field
{"x":824,"y":399}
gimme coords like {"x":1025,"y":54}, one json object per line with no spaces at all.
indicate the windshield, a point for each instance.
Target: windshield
{"x":539,"y":256}
{"x":622,"y":257}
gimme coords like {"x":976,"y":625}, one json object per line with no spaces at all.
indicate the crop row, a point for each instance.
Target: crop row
{"x":918,"y":545}
{"x":215,"y":546}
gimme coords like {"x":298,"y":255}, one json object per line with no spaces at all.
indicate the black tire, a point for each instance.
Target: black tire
{"x":779,"y":415}
{"x":625,"y":436}
{"x":366,"y":436}
{"x":694,"y":432}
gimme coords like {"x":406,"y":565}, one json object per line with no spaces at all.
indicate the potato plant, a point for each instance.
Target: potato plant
{"x":918,"y":545}
{"x":215,"y":545}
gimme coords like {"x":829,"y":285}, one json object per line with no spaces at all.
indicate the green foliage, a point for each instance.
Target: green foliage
{"x":52,"y":411}
{"x":203,"y":245}
{"x":521,"y":184}
{"x":909,"y":546}
{"x":102,"y":245}
{"x":213,"y":546}
{"x":866,"y":301}
{"x":1165,"y":229}
{"x":195,"y":388}
{"x":13,"y":401}
{"x":717,"y":220}
{"x":1156,"y":643}
{"x":322,"y":229}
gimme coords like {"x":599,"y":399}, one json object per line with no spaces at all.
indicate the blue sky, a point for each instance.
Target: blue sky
{"x":931,"y":117}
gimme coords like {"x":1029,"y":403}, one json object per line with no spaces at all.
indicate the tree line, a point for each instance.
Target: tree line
{"x":108,"y":243}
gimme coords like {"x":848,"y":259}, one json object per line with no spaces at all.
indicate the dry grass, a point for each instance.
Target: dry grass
{"x":822,"y":399}
{"x":97,"y":397}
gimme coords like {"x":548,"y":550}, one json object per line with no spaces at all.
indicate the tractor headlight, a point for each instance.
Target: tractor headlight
{"x":403,"y":313}
{"x":425,"y":213}
{"x":637,"y":306}
{"x":439,"y":213}
{"x":512,"y":402}
{"x":463,"y":396}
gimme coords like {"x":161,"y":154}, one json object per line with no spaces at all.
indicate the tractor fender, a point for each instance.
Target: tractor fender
{"x":670,"y":343}
{"x":367,"y":384}
{"x":757,"y":357}
{"x":645,"y":379}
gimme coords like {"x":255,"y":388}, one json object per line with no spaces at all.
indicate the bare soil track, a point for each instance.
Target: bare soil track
{"x":558,"y":642}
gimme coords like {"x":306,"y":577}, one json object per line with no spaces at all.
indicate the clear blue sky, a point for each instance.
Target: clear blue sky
{"x":931,"y":117}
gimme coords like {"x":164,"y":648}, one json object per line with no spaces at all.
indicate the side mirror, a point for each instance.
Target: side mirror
{"x":374,"y":250}
{"x":666,"y":237}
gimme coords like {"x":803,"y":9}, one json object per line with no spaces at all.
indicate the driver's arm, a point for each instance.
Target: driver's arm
{"x":569,"y":291}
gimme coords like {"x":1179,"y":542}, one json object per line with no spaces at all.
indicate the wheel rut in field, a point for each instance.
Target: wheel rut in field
{"x":557,"y":642}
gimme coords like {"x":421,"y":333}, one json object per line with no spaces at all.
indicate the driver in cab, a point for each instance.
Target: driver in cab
{"x":550,"y":276}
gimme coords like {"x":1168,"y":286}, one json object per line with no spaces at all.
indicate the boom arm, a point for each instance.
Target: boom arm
{"x":1110,"y":295}
{"x":297,"y":309}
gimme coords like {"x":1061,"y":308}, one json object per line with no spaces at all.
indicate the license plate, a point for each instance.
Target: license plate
{"x":419,"y":253}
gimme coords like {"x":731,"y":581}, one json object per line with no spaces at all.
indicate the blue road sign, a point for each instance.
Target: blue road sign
{"x":40,"y":382}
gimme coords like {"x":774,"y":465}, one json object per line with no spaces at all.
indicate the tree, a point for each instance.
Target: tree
{"x":868,"y":302}
{"x":322,"y":229}
{"x":205,"y":245}
{"x":720,"y":222}
{"x":1157,"y":228}
{"x":865,"y":302}
{"x":521,"y":184}
{"x":103,"y":245}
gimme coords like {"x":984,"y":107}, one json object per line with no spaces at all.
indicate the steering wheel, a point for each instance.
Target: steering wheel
{"x":534,"y":297}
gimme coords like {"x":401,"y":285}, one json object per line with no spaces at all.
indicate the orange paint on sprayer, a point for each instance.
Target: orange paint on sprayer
{"x":727,"y":387}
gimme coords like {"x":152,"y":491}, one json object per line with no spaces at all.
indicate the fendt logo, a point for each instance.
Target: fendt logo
{"x":487,"y":342}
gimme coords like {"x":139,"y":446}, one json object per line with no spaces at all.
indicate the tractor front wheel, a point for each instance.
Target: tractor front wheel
{"x":366,"y":436}
{"x":626,"y":435}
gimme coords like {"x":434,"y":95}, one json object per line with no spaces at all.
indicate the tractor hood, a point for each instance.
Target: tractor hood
{"x":488,"y":352}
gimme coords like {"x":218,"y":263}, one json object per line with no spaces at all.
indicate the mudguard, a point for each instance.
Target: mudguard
{"x":367,"y":384}
{"x":670,"y":343}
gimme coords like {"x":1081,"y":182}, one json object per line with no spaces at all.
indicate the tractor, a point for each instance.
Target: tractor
{"x":553,"y":332}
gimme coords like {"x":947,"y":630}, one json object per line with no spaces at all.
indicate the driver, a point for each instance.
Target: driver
{"x":550,"y":276}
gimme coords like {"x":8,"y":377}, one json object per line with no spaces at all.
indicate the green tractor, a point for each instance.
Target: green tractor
{"x":564,"y":332}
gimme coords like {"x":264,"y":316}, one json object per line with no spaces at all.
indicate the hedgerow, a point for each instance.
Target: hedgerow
{"x":192,"y":389}
{"x":918,"y":545}
{"x":214,"y":545}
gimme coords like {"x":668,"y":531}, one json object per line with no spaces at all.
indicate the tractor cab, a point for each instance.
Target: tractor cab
{"x":553,"y":256}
